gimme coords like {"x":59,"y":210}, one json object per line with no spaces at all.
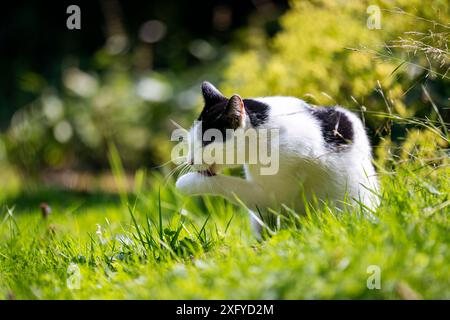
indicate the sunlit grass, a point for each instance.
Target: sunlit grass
{"x":166,"y":246}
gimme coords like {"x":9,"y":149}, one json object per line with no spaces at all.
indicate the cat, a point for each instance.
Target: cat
{"x":324,"y":154}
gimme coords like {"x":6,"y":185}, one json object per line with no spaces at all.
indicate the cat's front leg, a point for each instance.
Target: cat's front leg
{"x":195,"y":183}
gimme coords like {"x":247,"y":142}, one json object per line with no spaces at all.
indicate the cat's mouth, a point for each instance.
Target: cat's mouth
{"x":211,"y":171}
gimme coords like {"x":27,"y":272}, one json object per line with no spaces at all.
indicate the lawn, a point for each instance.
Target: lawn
{"x":156,"y":244}
{"x":88,"y":123}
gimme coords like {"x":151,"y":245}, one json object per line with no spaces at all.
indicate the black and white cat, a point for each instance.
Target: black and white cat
{"x":324,"y":153}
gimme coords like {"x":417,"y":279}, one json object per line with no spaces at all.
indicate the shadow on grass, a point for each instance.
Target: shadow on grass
{"x":29,"y":201}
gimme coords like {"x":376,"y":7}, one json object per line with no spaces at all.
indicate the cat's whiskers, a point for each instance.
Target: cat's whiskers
{"x":168,"y":162}
{"x":184,"y":169}
{"x":170,"y":174}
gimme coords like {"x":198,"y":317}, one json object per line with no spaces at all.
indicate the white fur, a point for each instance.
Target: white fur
{"x":307,"y":166}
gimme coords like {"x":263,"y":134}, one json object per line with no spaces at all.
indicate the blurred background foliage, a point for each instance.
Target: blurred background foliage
{"x":68,"y":95}
{"x":326,"y":55}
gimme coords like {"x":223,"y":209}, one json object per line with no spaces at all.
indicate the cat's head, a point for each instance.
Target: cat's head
{"x":214,"y":129}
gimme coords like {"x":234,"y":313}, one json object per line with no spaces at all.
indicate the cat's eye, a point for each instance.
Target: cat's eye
{"x":180,"y":139}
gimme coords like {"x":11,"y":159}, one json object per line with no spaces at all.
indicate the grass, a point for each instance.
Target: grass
{"x":160,"y":245}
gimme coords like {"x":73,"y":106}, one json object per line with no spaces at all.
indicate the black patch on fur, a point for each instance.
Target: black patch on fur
{"x":214,"y":117}
{"x":257,"y":111}
{"x":337,"y":129}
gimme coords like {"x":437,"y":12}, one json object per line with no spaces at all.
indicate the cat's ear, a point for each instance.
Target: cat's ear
{"x":211,"y":95}
{"x":235,"y":111}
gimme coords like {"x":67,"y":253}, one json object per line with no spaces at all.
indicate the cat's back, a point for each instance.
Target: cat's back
{"x":299,"y":129}
{"x":327,"y":148}
{"x":333,"y":129}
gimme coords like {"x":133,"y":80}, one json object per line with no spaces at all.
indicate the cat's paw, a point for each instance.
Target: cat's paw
{"x":189,"y":183}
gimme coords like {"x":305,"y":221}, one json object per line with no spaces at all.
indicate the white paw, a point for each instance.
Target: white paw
{"x":188,"y":183}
